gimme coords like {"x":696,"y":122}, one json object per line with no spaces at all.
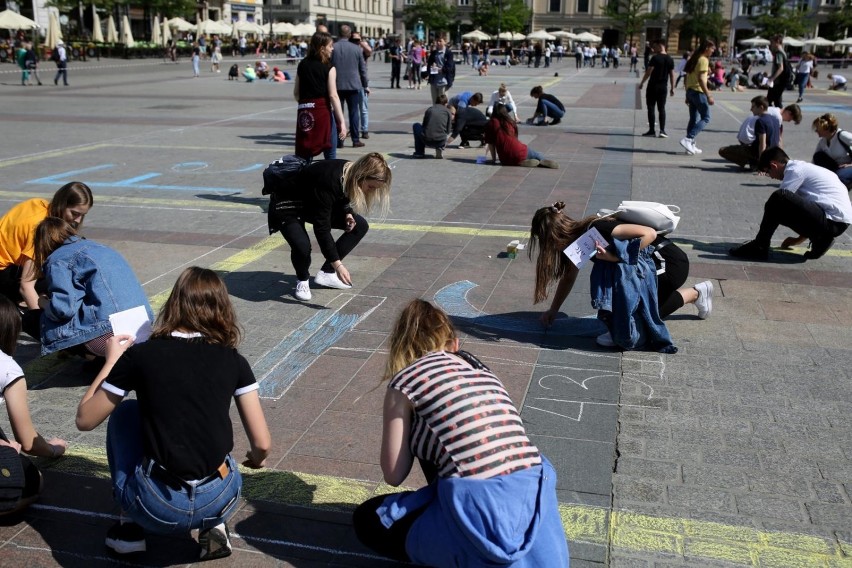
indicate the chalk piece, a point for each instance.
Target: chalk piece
{"x":481,"y":159}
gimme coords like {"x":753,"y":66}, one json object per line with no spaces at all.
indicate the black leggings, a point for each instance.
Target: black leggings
{"x":372,"y":533}
{"x":293,"y":229}
{"x":668,"y":283}
{"x":656,"y":96}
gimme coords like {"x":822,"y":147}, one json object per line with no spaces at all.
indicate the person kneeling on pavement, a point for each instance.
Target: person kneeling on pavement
{"x":811,"y":200}
{"x":470,"y":124}
{"x":758,"y":132}
{"x":548,"y":107}
{"x":434,"y":130}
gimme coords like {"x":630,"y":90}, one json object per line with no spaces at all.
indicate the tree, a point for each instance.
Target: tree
{"x":776,"y":18}
{"x":841,"y":20}
{"x":437,"y":15}
{"x":507,"y":15}
{"x":702,"y":20}
{"x":630,"y":15}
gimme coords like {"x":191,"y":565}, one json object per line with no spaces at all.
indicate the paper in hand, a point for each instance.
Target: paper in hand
{"x":133,"y":322}
{"x":580,"y":251}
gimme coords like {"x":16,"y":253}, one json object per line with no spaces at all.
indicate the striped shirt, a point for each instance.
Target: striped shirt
{"x":464,"y":421}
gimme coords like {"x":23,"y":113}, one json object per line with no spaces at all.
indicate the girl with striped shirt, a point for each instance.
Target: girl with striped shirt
{"x":491,"y":497}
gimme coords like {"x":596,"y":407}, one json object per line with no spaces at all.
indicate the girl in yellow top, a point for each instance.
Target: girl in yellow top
{"x":698,"y":96}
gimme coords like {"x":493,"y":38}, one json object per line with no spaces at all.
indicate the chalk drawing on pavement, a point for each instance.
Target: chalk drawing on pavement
{"x":136,"y":182}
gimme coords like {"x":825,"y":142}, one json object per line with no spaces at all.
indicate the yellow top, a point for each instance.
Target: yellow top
{"x":17,"y":231}
{"x":703,"y":66}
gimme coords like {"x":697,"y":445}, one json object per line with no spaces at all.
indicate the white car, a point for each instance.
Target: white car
{"x":758,"y":55}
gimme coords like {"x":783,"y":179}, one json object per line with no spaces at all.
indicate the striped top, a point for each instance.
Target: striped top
{"x":464,"y":421}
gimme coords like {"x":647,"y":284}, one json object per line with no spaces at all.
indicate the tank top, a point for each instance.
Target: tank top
{"x":313,"y":78}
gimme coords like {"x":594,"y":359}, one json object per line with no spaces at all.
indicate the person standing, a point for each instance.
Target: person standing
{"x":196,"y":62}
{"x":320,"y":123}
{"x":32,"y":62}
{"x":803,"y":73}
{"x":442,"y":69}
{"x":780,"y":76}
{"x":396,"y":57}
{"x":660,"y":76}
{"x":348,"y":60}
{"x":61,"y":59}
{"x":698,"y":96}
{"x":364,"y":108}
{"x":415,"y":59}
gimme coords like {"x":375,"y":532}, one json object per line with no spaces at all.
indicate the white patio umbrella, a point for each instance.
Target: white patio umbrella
{"x":511,"y":36}
{"x":564,"y":35}
{"x":588,"y":36}
{"x":793,"y":42}
{"x":181,"y":25}
{"x":112,"y":33}
{"x":97,"y":32}
{"x":847,"y":41}
{"x":167,"y":34}
{"x":477,"y":35}
{"x":247,"y":27}
{"x":54,"y":33}
{"x":126,"y":35}
{"x":283,"y":28}
{"x":210,"y":27}
{"x":542,"y":35}
{"x":754,"y":41}
{"x":155,"y":34}
{"x":304,"y":30}
{"x":819,"y":42}
{"x":10,"y":20}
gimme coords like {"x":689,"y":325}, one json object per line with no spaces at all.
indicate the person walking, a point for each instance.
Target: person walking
{"x":348,"y":60}
{"x":31,"y":59}
{"x":803,"y":73}
{"x":661,"y":81}
{"x":60,"y":57}
{"x":169,"y":450}
{"x":781,"y":72}
{"x":396,"y":57}
{"x":364,"y":107}
{"x":416,"y":56}
{"x":698,"y":97}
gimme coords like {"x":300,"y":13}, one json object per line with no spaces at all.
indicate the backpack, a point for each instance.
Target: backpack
{"x":282,"y":172}
{"x":662,"y":218}
{"x":54,"y":55}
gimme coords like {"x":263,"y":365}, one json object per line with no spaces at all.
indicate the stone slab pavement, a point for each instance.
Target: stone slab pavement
{"x":733,"y":452}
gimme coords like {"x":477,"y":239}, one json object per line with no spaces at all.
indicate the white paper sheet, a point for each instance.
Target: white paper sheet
{"x":580,"y":251}
{"x":133,"y":322}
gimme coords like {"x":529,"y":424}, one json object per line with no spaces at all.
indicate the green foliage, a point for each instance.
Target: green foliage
{"x":168,"y":8}
{"x":437,"y":15}
{"x":841,"y":20}
{"x":629,"y":15}
{"x":776,"y":18}
{"x":703,"y":20}
{"x":487,"y":15}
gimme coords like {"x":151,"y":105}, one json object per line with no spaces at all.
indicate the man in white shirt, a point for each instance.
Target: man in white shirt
{"x":838,"y":82}
{"x":811,"y":200}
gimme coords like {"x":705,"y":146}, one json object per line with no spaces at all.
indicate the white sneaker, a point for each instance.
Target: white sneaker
{"x":330,"y":280}
{"x":605,"y":340}
{"x":696,"y":149}
{"x":688,"y":145}
{"x":303,"y":290}
{"x":704,"y":303}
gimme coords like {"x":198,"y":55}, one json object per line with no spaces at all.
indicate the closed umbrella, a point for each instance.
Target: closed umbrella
{"x":10,"y":20}
{"x":167,"y":33}
{"x":54,"y":33}
{"x":155,"y":35}
{"x":477,"y":35}
{"x":112,"y":33}
{"x":97,"y":33}
{"x":126,"y":35}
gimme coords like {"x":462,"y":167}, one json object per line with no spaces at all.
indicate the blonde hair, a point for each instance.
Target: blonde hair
{"x":421,"y":328}
{"x":373,"y":167}
{"x":199,"y":303}
{"x":502,"y":89}
{"x":827,"y":122}
{"x":551,"y":232}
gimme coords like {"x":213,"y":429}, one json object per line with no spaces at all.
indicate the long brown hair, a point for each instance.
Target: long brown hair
{"x":318,"y":41}
{"x":373,"y":167}
{"x":72,"y":194}
{"x":697,"y":54}
{"x":50,"y":234}
{"x":421,"y":328}
{"x":10,"y":326}
{"x":199,"y":302}
{"x":507,"y":125}
{"x":551,"y":232}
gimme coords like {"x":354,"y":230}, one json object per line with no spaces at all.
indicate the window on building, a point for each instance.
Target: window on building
{"x":583,"y":6}
{"x":747,"y":9}
{"x":803,"y":5}
{"x":829,"y":2}
{"x":464,"y":2}
{"x":655,"y":6}
{"x":555,"y":6}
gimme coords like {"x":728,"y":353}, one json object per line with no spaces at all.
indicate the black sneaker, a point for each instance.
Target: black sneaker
{"x":818,"y":248}
{"x":650,"y":134}
{"x":555,"y":121}
{"x":126,"y":538}
{"x":663,"y":134}
{"x":750,"y":251}
{"x":464,"y":145}
{"x":215,"y":542}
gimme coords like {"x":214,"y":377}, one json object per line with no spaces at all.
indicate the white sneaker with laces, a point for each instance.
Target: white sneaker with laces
{"x":704,"y":303}
{"x":303,"y":290}
{"x":330,"y":280}
{"x":696,"y":149}
{"x":605,"y":340}
{"x":688,"y":145}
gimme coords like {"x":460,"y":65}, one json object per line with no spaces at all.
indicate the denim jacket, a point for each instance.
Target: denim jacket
{"x":86,"y":283}
{"x":625,"y":295}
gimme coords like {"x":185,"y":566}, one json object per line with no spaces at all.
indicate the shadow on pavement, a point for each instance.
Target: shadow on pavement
{"x":261,"y":202}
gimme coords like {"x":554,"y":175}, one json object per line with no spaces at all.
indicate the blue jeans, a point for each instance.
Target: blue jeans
{"x":533,"y":155}
{"x":699,"y":113}
{"x":158,"y":507}
{"x":331,"y":153}
{"x":420,"y":144}
{"x":352,"y":100}
{"x":550,"y":109}
{"x":802,"y":82}
{"x":364,"y":109}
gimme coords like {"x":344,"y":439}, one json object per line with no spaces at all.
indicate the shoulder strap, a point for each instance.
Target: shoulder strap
{"x":843,"y":142}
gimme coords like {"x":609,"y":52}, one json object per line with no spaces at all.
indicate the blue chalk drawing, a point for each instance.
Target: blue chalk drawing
{"x":197,"y":167}
{"x":133,"y":182}
{"x":453,"y":300}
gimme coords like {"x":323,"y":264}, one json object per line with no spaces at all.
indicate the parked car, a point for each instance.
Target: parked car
{"x":758,"y":55}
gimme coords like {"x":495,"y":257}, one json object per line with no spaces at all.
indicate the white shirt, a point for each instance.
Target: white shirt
{"x":835,"y":149}
{"x":9,"y":371}
{"x":820,"y":186}
{"x":837,"y":80}
{"x":746,"y":133}
{"x":805,"y":66}
{"x":506,"y":100}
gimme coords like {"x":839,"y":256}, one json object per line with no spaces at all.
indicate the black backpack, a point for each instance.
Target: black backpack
{"x":282,"y":173}
{"x":54,"y":56}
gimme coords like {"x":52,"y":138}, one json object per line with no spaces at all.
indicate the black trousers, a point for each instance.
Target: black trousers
{"x":791,"y":210}
{"x":655,"y":96}
{"x":668,"y":283}
{"x":293,"y":229}
{"x":777,"y":91}
{"x":469,"y":133}
{"x":396,"y":67}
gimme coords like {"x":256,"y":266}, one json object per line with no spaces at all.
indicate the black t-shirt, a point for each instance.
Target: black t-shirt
{"x":184,"y":388}
{"x":469,"y":117}
{"x":768,"y":125}
{"x":663,"y":65}
{"x":313,"y":78}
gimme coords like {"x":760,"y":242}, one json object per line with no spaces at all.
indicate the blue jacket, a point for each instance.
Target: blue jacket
{"x":509,"y":520}
{"x":86,"y":283}
{"x":625,"y":295}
